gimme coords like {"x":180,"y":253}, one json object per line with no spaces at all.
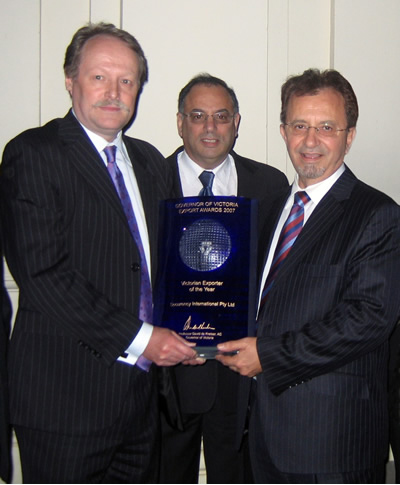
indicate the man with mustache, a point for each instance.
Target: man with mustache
{"x":208,"y":122}
{"x":80,"y":217}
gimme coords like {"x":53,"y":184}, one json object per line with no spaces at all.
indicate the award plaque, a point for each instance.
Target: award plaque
{"x":205,"y":289}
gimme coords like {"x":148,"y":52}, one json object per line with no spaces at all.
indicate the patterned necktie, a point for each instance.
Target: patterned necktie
{"x":146,"y":300}
{"x":206,"y":178}
{"x":291,"y":229}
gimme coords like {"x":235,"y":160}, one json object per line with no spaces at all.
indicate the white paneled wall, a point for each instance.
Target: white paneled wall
{"x":252,"y":44}
{"x":181,"y":38}
{"x":367,"y":49}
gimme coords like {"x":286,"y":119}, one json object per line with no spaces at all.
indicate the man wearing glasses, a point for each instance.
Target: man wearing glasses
{"x":329,"y":298}
{"x":208,"y":122}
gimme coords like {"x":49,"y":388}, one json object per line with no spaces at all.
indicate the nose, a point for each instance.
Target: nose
{"x":210,"y":123}
{"x":311,"y":138}
{"x":113,"y":89}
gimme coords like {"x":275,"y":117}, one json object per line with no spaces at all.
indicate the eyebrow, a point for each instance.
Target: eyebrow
{"x":222,"y":110}
{"x":320,"y":122}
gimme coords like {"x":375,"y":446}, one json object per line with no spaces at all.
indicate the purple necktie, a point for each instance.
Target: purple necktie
{"x":206,"y":178}
{"x":146,"y":301}
{"x":291,"y":229}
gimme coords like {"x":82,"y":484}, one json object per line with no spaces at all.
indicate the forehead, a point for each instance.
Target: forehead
{"x":327,"y":104}
{"x":208,"y":98}
{"x":107,"y":49}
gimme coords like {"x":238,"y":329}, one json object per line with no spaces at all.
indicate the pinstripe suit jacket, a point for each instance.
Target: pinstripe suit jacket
{"x":321,"y":403}
{"x":5,"y":432}
{"x":69,"y":248}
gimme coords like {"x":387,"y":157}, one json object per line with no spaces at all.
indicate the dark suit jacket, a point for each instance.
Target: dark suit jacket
{"x":69,"y":248}
{"x":5,"y":433}
{"x":197,"y":386}
{"x":323,"y":335}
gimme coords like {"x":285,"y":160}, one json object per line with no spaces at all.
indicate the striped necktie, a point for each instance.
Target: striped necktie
{"x":291,"y":229}
{"x":146,"y":300}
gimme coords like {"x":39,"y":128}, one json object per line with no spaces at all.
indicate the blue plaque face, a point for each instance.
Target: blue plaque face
{"x":205,"y":245}
{"x":205,"y":289}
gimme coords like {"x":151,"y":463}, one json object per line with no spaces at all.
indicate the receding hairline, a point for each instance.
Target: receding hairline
{"x":210,"y":85}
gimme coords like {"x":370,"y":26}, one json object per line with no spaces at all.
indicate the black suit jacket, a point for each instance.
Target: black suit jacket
{"x":69,"y":248}
{"x":197,"y":386}
{"x":5,"y":433}
{"x":323,"y":335}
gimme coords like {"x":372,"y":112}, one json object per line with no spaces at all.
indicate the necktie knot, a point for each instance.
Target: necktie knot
{"x":206,"y":178}
{"x":110,"y":152}
{"x":301,"y":198}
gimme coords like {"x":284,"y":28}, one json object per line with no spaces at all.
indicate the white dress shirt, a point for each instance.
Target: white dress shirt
{"x":225,"y":180}
{"x":139,"y":343}
{"x":316,"y":192}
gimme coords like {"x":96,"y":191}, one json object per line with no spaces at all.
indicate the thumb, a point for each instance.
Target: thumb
{"x":230,"y":346}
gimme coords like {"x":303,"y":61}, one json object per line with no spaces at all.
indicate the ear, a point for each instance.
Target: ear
{"x":351,"y":134}
{"x":179,"y":123}
{"x":236,"y":122}
{"x":283,"y":133}
{"x":68,"y":85}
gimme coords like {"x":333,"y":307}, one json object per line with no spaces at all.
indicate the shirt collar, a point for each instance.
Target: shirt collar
{"x":192,"y":166}
{"x":98,"y":141}
{"x":317,"y":191}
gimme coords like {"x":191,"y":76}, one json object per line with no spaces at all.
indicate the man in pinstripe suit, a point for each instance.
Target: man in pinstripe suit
{"x":319,"y":408}
{"x":82,"y":388}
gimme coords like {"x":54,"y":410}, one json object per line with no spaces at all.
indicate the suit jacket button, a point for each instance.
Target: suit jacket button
{"x":135,"y":266}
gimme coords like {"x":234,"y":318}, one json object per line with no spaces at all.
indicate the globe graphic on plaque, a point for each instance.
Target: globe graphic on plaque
{"x":205,"y":245}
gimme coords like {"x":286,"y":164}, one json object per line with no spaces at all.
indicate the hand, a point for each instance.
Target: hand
{"x":245,"y":361}
{"x":166,"y":348}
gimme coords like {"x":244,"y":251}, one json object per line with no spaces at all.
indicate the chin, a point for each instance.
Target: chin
{"x":310,"y":172}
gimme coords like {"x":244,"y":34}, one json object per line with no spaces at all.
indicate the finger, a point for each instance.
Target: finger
{"x":186,"y":352}
{"x":231,"y":346}
{"x":184,"y":341}
{"x":227,"y":360}
{"x":197,"y":361}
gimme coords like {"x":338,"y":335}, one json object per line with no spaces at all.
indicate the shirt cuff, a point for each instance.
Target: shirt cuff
{"x":138,"y":345}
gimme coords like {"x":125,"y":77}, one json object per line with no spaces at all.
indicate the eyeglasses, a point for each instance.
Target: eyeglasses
{"x":198,"y":117}
{"x":325,"y":130}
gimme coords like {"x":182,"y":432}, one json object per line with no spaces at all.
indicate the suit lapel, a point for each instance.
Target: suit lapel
{"x":245,"y":176}
{"x":172,"y":160}
{"x":270,"y":210}
{"x":88,"y":162}
{"x":328,"y":211}
{"x":83,"y":155}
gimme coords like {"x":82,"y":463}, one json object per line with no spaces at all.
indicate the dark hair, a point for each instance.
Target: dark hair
{"x":74,"y":50}
{"x":311,"y":82}
{"x":208,"y":80}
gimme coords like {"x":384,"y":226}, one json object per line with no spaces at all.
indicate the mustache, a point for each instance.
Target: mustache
{"x":112,"y":102}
